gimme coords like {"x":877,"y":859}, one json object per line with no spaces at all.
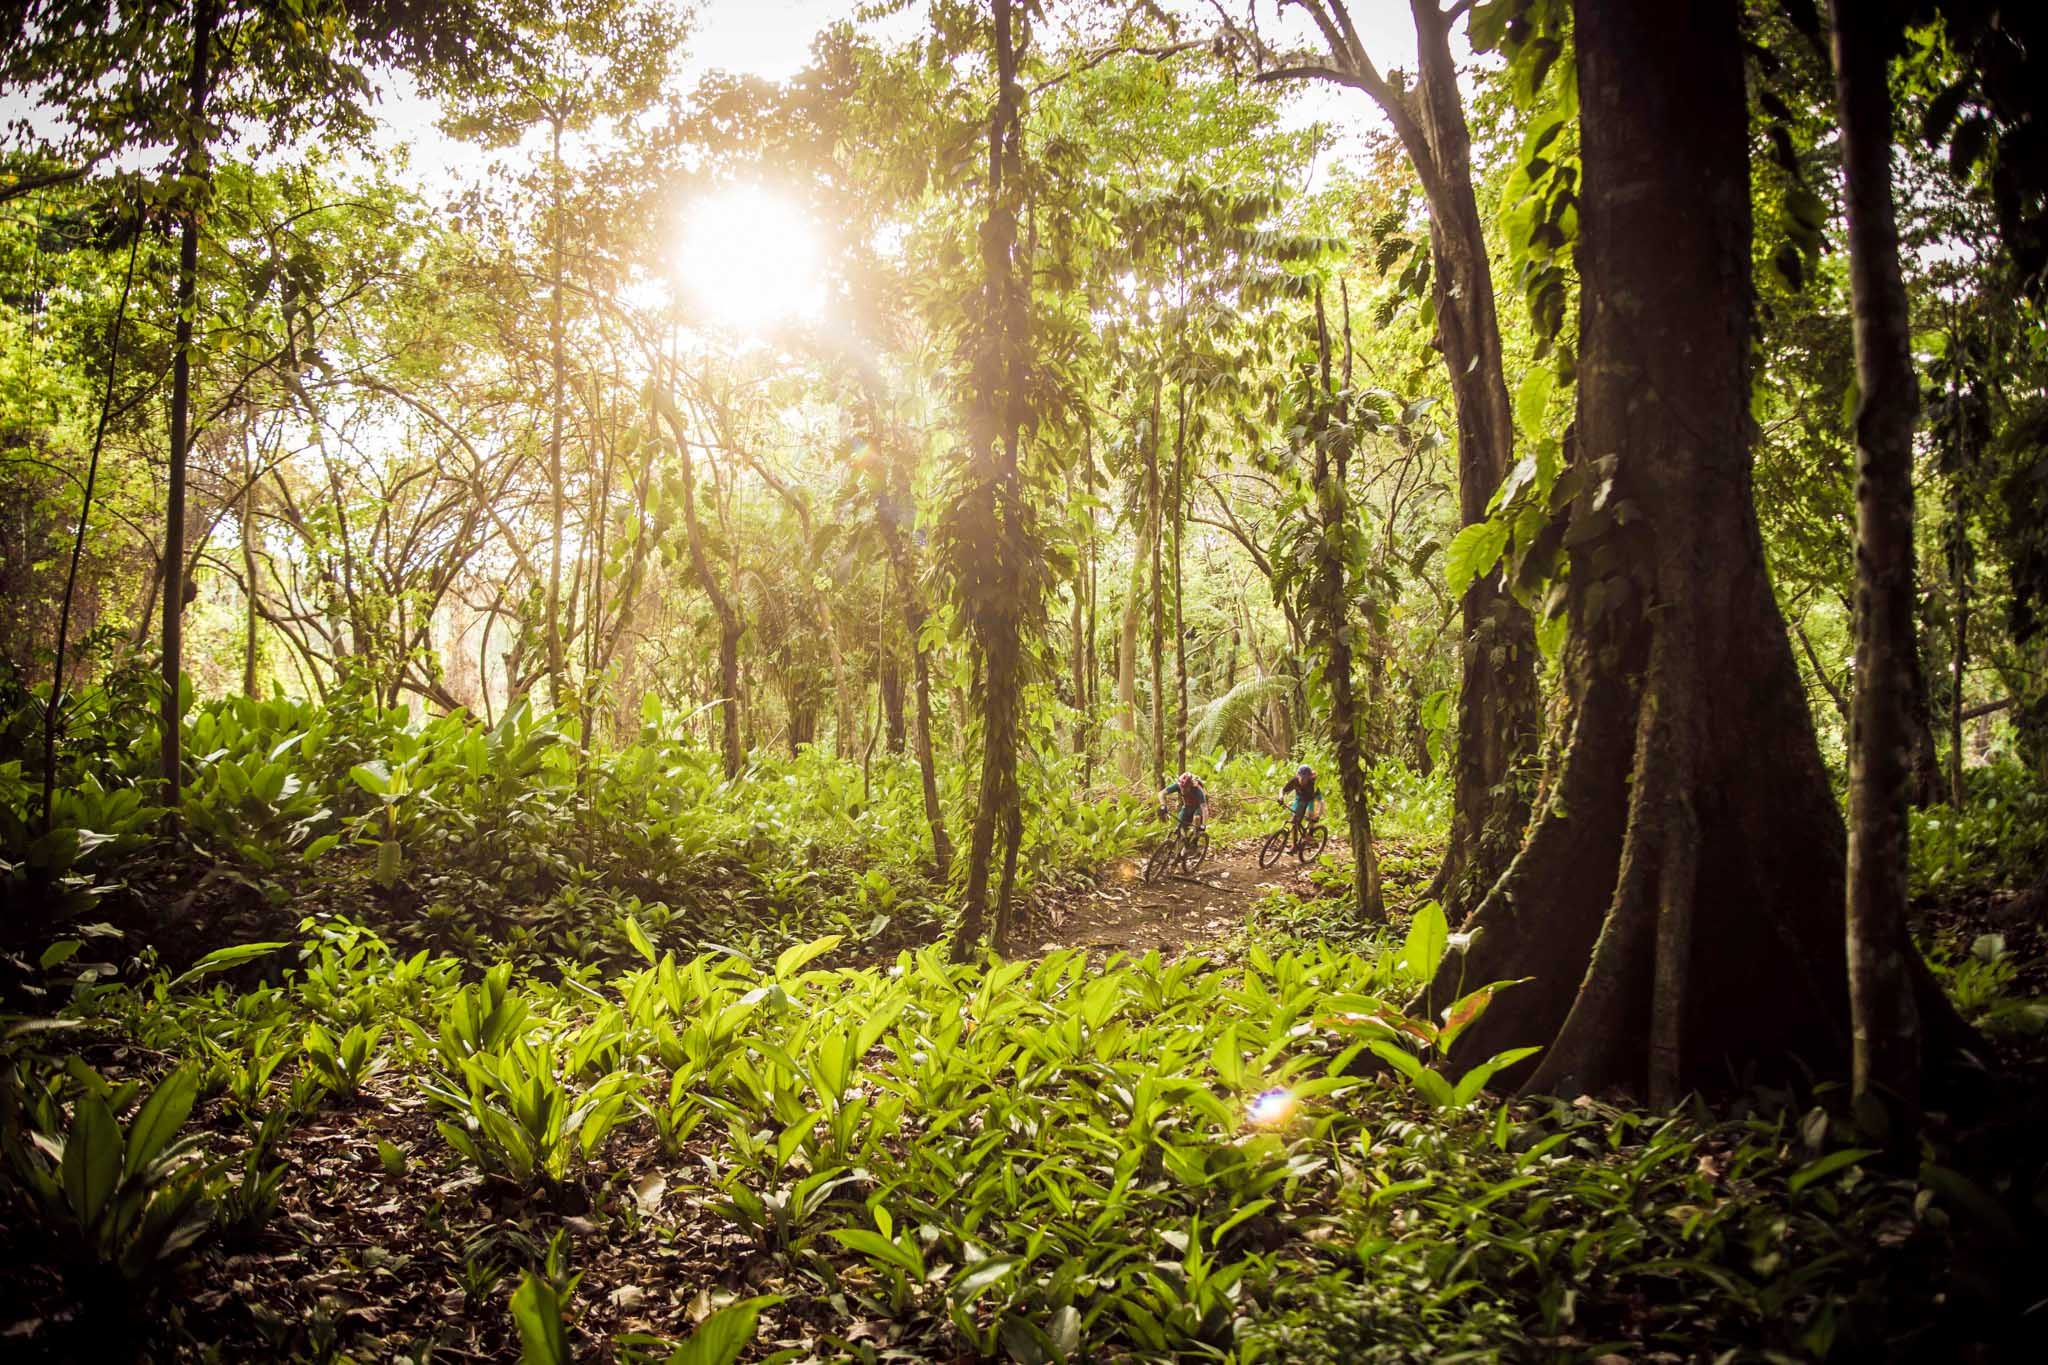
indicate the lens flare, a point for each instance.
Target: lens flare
{"x":1272,"y":1108}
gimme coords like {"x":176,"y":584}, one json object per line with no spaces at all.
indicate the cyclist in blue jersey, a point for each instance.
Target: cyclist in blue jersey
{"x":1307,"y":804}
{"x":1194,"y":801}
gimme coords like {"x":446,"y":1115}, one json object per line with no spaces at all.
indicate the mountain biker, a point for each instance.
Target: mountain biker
{"x":1308,"y":801}
{"x":1194,"y":800}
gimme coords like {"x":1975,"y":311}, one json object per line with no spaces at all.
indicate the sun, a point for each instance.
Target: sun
{"x":749,"y":260}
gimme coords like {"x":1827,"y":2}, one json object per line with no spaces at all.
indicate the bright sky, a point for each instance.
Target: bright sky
{"x":772,"y":39}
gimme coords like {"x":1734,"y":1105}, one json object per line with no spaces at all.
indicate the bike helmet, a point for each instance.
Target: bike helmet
{"x":1187,"y":779}
{"x":1304,"y":771}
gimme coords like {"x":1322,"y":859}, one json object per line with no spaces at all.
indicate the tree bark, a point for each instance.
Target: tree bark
{"x":197,"y":85}
{"x":1884,"y":1023}
{"x":1689,"y":780}
{"x":889,"y":682}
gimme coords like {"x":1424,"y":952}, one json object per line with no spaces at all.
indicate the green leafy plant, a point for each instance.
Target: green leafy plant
{"x":130,"y":1198}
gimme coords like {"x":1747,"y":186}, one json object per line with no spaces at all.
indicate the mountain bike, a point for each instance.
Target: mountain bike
{"x":1315,"y":835}
{"x":1184,"y":849}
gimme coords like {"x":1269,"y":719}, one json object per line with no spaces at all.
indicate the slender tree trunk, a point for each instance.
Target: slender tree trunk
{"x":1499,"y":712}
{"x":1154,"y":497}
{"x":1127,"y":650}
{"x":1959,"y":563}
{"x":251,"y":657}
{"x":1180,"y":647}
{"x":558,"y":367}
{"x":1500,"y":719}
{"x":1926,"y":781}
{"x":196,"y":171}
{"x":1331,"y":607}
{"x":53,"y":713}
{"x":1689,"y":782}
{"x":730,"y":627}
{"x":893,"y":510}
{"x":997,"y":620}
{"x":889,"y":682}
{"x":921,"y":737}
{"x":1884,"y":1021}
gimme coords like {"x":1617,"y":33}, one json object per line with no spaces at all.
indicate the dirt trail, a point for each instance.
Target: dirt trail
{"x":1123,"y":913}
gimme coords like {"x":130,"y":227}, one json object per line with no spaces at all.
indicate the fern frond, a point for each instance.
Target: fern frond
{"x":1219,"y":721}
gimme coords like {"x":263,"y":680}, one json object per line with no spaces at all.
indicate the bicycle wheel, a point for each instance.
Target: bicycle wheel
{"x":1313,"y":842}
{"x":1274,"y":847}
{"x":1162,"y":858}
{"x":1194,"y":851}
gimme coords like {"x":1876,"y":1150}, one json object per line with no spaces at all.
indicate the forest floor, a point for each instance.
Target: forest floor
{"x":1121,"y":912}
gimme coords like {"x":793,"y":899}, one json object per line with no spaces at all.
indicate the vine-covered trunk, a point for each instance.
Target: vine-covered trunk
{"x":1884,"y":1021}
{"x":1330,"y":604}
{"x":181,"y":408}
{"x":996,"y":503}
{"x":1674,"y":902}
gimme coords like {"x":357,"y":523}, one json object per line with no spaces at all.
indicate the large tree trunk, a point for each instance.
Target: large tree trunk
{"x":181,"y":409}
{"x":1689,"y":776}
{"x":1885,"y":1024}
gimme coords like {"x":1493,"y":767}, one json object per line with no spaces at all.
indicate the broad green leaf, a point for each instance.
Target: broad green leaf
{"x":92,"y":1160}
{"x":543,"y":1334}
{"x":1472,"y":1082}
{"x":637,"y":936}
{"x":223,"y":958}
{"x":1826,"y":1166}
{"x":1429,"y":933}
{"x":877,"y":1247}
{"x":791,"y":960}
{"x":1473,"y":551}
{"x":720,"y":1338}
{"x":373,"y":777}
{"x":160,"y":1117}
{"x":982,"y":1274}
